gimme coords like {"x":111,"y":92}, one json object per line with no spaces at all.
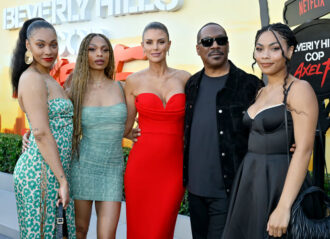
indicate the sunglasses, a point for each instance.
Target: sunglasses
{"x":208,"y":41}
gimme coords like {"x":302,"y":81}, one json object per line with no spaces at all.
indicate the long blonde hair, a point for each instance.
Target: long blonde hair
{"x":80,"y":78}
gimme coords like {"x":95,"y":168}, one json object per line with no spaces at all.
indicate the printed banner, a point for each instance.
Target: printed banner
{"x":300,"y":11}
{"x":311,"y":60}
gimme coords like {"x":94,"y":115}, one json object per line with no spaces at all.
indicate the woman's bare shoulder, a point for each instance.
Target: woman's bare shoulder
{"x":136,"y":77}
{"x":301,"y":87}
{"x":181,"y":75}
{"x":302,"y":94}
{"x":31,"y":79}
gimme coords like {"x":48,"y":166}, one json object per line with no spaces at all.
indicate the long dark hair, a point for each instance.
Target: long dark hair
{"x":287,"y":34}
{"x":18,"y":65}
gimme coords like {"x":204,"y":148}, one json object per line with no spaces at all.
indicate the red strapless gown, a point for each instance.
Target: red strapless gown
{"x":153,"y":177}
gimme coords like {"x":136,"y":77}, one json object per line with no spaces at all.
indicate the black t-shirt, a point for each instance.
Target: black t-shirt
{"x":205,"y":173}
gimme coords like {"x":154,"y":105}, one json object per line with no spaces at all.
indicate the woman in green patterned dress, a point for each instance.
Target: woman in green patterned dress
{"x":41,"y":173}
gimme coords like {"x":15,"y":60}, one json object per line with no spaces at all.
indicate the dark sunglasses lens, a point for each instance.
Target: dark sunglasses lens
{"x":207,"y":42}
{"x":221,"y":41}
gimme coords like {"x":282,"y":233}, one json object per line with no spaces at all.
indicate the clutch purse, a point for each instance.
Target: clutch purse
{"x":61,"y":226}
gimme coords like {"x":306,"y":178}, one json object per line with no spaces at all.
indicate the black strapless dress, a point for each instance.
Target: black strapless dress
{"x":260,"y":178}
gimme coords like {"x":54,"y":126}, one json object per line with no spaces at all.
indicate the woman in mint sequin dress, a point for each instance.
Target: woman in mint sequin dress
{"x":99,"y":122}
{"x":41,"y":173}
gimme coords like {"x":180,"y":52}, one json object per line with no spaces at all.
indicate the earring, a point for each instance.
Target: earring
{"x":28,"y":58}
{"x":168,"y":52}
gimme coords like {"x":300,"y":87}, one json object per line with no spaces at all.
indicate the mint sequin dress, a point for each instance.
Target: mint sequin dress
{"x":35,"y":184}
{"x":98,"y":173}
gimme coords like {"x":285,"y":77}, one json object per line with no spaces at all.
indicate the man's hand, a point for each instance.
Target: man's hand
{"x":25,"y":141}
{"x":136,"y":132}
{"x":293,"y":148}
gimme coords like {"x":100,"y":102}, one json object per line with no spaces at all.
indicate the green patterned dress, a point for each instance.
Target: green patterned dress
{"x":35,"y":184}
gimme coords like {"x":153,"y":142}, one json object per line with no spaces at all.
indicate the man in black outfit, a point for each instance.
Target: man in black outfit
{"x":215,"y":139}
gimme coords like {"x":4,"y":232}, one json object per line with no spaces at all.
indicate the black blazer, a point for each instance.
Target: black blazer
{"x":232,"y":102}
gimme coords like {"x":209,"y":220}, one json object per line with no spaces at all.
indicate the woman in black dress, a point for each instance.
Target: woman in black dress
{"x":266,"y":184}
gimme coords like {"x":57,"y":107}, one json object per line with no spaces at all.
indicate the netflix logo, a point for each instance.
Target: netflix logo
{"x":308,"y":5}
{"x":298,"y":12}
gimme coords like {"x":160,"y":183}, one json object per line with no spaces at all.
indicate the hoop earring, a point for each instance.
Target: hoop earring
{"x":28,"y":57}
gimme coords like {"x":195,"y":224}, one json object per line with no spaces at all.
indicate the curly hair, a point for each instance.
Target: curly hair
{"x":18,"y":65}
{"x":287,"y":34}
{"x":80,"y":78}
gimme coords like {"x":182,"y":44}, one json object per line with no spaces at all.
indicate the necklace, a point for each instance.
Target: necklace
{"x":98,"y":83}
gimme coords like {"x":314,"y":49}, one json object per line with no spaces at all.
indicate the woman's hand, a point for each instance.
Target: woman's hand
{"x":63,"y":195}
{"x":278,"y":222}
{"x":136,"y":132}
{"x":25,"y":141}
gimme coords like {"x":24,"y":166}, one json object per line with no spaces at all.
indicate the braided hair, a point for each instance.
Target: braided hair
{"x":18,"y":65}
{"x":80,"y":77}
{"x":287,"y":34}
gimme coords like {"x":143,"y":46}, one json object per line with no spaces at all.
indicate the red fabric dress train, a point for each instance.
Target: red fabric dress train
{"x":153,"y":177}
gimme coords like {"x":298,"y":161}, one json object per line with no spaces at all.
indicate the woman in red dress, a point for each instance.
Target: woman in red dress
{"x":153,"y":177}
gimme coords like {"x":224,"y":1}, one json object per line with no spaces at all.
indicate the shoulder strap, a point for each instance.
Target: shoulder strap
{"x":256,"y":97}
{"x":259,"y":92}
{"x":122,"y":90}
{"x":286,"y":92}
{"x":286,"y":132}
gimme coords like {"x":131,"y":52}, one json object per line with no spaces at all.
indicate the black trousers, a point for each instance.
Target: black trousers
{"x":207,"y":216}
